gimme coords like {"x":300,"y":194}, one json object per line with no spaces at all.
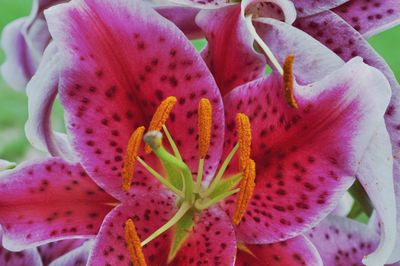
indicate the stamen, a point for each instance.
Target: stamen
{"x":130,"y":157}
{"x":204,"y":123}
{"x":133,"y":244}
{"x":246,"y":191}
{"x":288,"y":81}
{"x":244,"y":132}
{"x":204,"y":127}
{"x":160,"y":116}
{"x":262,"y":44}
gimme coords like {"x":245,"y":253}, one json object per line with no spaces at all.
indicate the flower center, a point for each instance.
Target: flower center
{"x":193,"y":197}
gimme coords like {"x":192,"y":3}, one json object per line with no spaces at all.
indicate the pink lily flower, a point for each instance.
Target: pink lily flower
{"x":115,"y":62}
{"x":278,"y":41}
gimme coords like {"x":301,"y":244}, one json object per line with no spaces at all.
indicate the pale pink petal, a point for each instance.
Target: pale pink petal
{"x":53,"y":250}
{"x":278,"y":9}
{"x":306,"y":158}
{"x":29,"y":257}
{"x":376,"y":176}
{"x":24,"y":41}
{"x":42,"y":91}
{"x":18,"y":67}
{"x":344,"y":206}
{"x":341,"y":241}
{"x":47,"y":201}
{"x":119,"y":59}
{"x":370,"y":17}
{"x":208,"y":4}
{"x":149,"y":211}
{"x":295,"y":251}
{"x":212,"y":242}
{"x":76,"y":257}
{"x":229,"y":53}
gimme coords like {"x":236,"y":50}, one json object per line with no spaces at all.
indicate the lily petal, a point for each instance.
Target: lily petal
{"x":116,"y":65}
{"x":229,"y":53}
{"x":183,"y":17}
{"x":77,"y":256}
{"x":5,"y":165}
{"x":376,"y":176}
{"x":370,"y":17}
{"x":149,"y":211}
{"x":28,"y":257}
{"x":41,"y":92}
{"x":310,"y":7}
{"x":47,"y":201}
{"x":53,"y":250}
{"x":295,"y":251}
{"x":350,"y":45}
{"x":24,"y":41}
{"x":341,"y":241}
{"x":298,"y":184}
{"x":344,"y":206}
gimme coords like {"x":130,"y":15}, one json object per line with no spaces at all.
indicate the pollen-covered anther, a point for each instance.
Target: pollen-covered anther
{"x":204,"y":123}
{"x":131,"y":154}
{"x":288,"y":81}
{"x":244,"y":133}
{"x":247,"y":185}
{"x":134,"y":244}
{"x":161,"y":116}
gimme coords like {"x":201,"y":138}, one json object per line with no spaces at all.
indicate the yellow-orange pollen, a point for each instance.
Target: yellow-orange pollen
{"x":160,"y":116}
{"x":204,"y":123}
{"x":247,"y":185}
{"x":288,"y":81}
{"x":134,"y":244}
{"x":244,"y":132}
{"x":131,"y":154}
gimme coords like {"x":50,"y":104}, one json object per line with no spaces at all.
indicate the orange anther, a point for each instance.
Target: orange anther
{"x":204,"y":123}
{"x":160,"y":116}
{"x":133,"y":243}
{"x":288,"y":81}
{"x":244,"y":132}
{"x":131,"y":154}
{"x":247,"y":185}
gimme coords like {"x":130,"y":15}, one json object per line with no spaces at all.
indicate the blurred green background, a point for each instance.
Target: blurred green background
{"x":13,"y":105}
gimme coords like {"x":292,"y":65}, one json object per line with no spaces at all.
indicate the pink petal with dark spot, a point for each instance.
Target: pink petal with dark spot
{"x":212,"y":242}
{"x":293,"y":252}
{"x":204,"y":4}
{"x":370,"y":17}
{"x":353,"y":44}
{"x":53,"y":250}
{"x":149,"y":211}
{"x":341,"y":241}
{"x":306,"y":158}
{"x":119,"y":60}
{"x":311,"y":7}
{"x":229,"y":53}
{"x":41,"y":91}
{"x":47,"y":201}
{"x":76,"y":257}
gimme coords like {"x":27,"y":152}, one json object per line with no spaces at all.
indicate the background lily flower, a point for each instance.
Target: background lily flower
{"x":65,"y":252}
